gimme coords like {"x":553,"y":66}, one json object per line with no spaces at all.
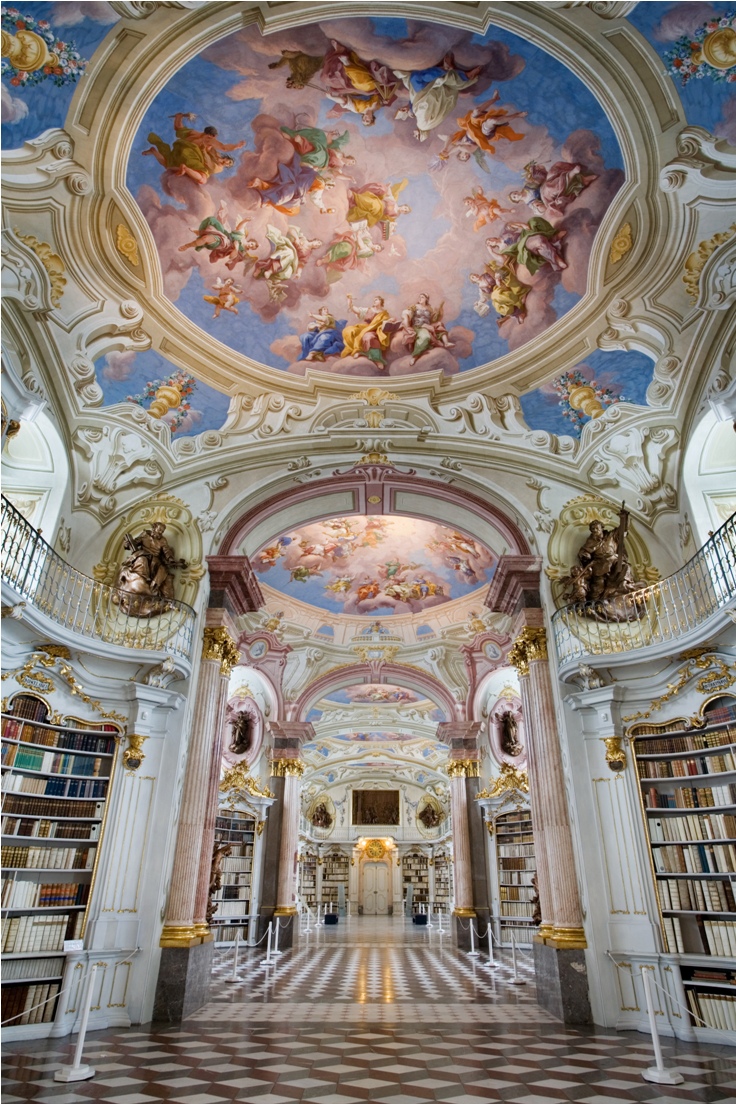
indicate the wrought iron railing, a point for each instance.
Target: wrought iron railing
{"x":666,"y":611}
{"x":91,"y":609}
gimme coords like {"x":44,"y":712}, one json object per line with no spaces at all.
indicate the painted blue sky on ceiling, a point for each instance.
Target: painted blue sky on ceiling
{"x":278,"y":235}
{"x":677,"y":32}
{"x":41,"y":100}
{"x":567,"y":403}
{"x":129,"y":376}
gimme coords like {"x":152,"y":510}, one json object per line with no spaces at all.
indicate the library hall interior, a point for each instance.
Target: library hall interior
{"x":368,"y":552}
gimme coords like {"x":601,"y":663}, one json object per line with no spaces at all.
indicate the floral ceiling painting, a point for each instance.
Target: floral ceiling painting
{"x":375,"y":564}
{"x":309,"y":191}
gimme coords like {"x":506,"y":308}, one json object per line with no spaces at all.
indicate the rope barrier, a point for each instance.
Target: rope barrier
{"x":60,"y":994}
{"x":673,"y":1000}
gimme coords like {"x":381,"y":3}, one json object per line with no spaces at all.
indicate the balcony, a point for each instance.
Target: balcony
{"x":35,"y":574}
{"x":669,"y":612}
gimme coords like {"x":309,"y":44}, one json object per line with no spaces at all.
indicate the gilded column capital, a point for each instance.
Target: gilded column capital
{"x":218,"y":644}
{"x":465,"y":768}
{"x":280,"y":768}
{"x":530,"y":645}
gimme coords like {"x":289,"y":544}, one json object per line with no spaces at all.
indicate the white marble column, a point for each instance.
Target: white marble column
{"x":219,"y":654}
{"x":537,"y":804}
{"x":561,"y":900}
{"x":291,"y":770}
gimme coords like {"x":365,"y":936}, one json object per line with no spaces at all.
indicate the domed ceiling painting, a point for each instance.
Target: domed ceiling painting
{"x":375,"y":565}
{"x":310,"y":191}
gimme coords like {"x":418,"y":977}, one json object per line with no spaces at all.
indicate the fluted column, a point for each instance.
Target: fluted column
{"x":561,"y":902}
{"x":536,"y":803}
{"x":219,"y":655}
{"x":229,"y":658}
{"x":459,"y":770}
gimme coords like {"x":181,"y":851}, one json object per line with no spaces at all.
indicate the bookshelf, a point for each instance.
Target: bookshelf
{"x":516,"y":867}
{"x":55,"y":782}
{"x":335,"y":872}
{"x":687,"y":781}
{"x":415,"y":867}
{"x":308,"y":879}
{"x":232,"y":900}
{"x":442,"y":881}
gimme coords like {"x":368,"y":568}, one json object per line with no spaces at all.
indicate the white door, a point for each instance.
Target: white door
{"x":375,"y":889}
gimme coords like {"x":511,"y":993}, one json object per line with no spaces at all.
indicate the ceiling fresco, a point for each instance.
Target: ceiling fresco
{"x":308,"y":192}
{"x":375,"y":565}
{"x":570,"y":401}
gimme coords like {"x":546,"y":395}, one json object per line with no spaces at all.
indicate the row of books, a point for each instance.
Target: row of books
{"x":695,"y":858}
{"x":505,"y":837}
{"x":517,"y":893}
{"x":34,"y":1004}
{"x":698,"y":827}
{"x":28,"y":969}
{"x":520,"y":933}
{"x":720,"y":936}
{"x":14,"y":729}
{"x":51,"y":762}
{"x":227,"y":933}
{"x":40,"y":828}
{"x":515,"y":864}
{"x":517,"y":877}
{"x":691,"y":797}
{"x":233,"y":908}
{"x":33,"y":934}
{"x":48,"y":807}
{"x":516,"y":849}
{"x":236,"y":879}
{"x":48,"y":858}
{"x":682,"y":768}
{"x":231,"y":863}
{"x":517,"y":908}
{"x":714,"y":1009}
{"x":54,"y":787}
{"x":233,"y":893}
{"x":18,"y":895}
{"x":689,"y":895}
{"x":697,"y":741}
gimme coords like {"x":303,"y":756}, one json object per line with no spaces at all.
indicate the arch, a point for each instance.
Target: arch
{"x":373,"y":490}
{"x":410,"y":677}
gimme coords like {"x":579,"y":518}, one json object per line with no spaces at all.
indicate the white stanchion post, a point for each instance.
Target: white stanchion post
{"x":268,"y":960}
{"x":472,"y":953}
{"x":276,"y":950}
{"x":516,"y":980}
{"x":440,"y":929}
{"x":491,"y":964}
{"x":429,"y":916}
{"x":659,"y":1074}
{"x":233,"y":977}
{"x":77,"y":1071}
{"x":308,"y":928}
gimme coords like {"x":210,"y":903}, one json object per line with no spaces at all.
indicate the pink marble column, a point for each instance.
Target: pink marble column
{"x":286,"y":892}
{"x":210,"y":816}
{"x":536,"y":801}
{"x":461,"y":836}
{"x":219,"y":654}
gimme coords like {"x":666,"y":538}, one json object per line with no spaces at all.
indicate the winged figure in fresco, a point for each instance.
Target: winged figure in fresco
{"x":551,"y":191}
{"x":197,"y":154}
{"x":486,"y":209}
{"x":225,"y":297}
{"x":222,"y":243}
{"x":348,"y":250}
{"x":531,"y":244}
{"x":480,"y":128}
{"x":499,"y":287}
{"x":377,"y":205}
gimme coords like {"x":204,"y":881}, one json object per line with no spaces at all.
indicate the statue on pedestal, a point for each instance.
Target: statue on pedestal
{"x":146,"y":578}
{"x":602,"y":581}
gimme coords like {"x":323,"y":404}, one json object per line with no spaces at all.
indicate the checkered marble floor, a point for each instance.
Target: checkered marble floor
{"x":375,"y":1011}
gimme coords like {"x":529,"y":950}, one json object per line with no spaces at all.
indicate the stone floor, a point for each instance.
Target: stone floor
{"x":371,"y":1010}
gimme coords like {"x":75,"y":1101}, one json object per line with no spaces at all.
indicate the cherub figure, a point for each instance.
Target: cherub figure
{"x":485,"y":208}
{"x":226,"y":297}
{"x":480,"y":128}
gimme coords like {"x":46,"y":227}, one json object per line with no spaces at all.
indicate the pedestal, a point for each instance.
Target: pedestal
{"x":562,"y":983}
{"x":183,"y":982}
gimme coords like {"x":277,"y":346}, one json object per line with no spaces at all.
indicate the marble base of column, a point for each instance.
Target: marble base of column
{"x":461,"y":929}
{"x":562,"y":983}
{"x":183,"y":984}
{"x":288,"y":927}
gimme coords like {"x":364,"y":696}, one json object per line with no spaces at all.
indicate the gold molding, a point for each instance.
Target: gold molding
{"x":509,"y":780}
{"x":180,"y":935}
{"x":51,"y":261}
{"x":126,"y":244}
{"x":622,"y":243}
{"x":280,"y":768}
{"x":567,"y":938}
{"x":464,"y":912}
{"x":134,"y":755}
{"x":236,"y":780}
{"x":695,"y":263}
{"x":218,"y":645}
{"x":285,"y":910}
{"x":467,"y":768}
{"x":26,"y":676}
{"x":615,"y":752}
{"x":696,"y":659}
{"x":530,"y":645}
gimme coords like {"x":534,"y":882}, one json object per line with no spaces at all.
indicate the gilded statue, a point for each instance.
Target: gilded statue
{"x":510,"y":742}
{"x":602,"y":581}
{"x":146,"y":582}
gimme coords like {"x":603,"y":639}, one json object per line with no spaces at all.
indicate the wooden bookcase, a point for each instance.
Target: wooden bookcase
{"x":415,"y":868}
{"x":516,"y":866}
{"x":308,"y":879}
{"x":442,"y":881}
{"x":233,"y":898}
{"x":687,"y":778}
{"x":335,"y":872}
{"x":55,"y":781}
